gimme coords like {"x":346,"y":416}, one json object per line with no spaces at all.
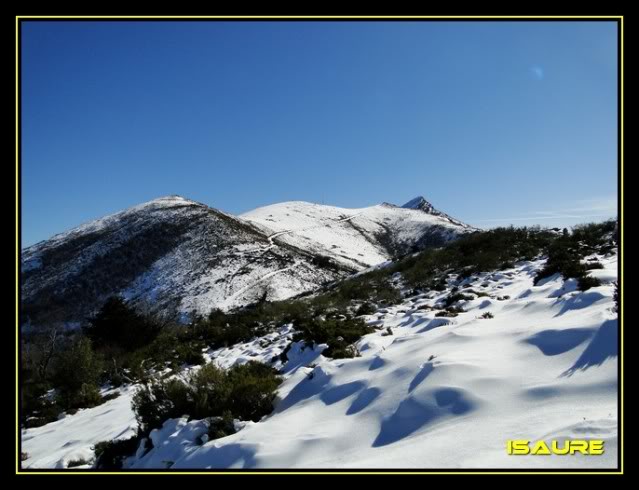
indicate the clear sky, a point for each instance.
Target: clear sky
{"x":493,"y":122}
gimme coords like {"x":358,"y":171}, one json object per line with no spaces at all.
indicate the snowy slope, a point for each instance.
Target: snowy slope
{"x":438,"y":393}
{"x":177,"y":256}
{"x":171,"y":254}
{"x":357,"y":238}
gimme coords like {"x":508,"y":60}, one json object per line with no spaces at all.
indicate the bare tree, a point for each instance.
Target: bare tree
{"x":48,"y":348}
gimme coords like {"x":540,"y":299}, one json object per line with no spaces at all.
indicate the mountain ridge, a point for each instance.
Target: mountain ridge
{"x":174,"y":254}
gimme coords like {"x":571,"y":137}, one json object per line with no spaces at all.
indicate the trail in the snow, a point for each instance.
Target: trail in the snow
{"x":272,"y":244}
{"x":259,"y":280}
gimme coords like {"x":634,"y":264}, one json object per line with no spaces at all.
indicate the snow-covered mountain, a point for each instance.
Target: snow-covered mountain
{"x":356,"y":238}
{"x":421,"y":204}
{"x":180,"y":256}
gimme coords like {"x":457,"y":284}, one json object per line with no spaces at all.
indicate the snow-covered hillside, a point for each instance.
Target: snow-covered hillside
{"x":357,"y":238}
{"x":437,"y":393}
{"x":174,"y":255}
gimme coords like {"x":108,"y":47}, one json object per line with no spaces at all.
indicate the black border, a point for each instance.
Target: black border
{"x":282,"y":18}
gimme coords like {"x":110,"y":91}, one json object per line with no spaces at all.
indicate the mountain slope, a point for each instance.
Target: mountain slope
{"x":171,"y":254}
{"x":177,"y":256}
{"x":437,"y":393}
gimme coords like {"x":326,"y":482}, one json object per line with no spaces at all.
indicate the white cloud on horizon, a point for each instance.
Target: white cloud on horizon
{"x":603,"y":207}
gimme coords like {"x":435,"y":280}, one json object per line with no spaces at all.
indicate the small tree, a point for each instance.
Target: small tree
{"x":76,"y":375}
{"x":253,"y":388}
{"x":118,"y":323}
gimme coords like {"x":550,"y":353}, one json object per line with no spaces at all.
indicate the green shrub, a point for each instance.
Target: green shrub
{"x":588,"y":282}
{"x":563,"y":258}
{"x":474,"y":253}
{"x":245,"y":391}
{"x":156,"y":401}
{"x":594,"y":265}
{"x":340,"y":351}
{"x":487,"y":315}
{"x":190,"y":353}
{"x":76,"y":375}
{"x":206,"y":393}
{"x":252,"y":392}
{"x":109,"y":455}
{"x":77,"y":462}
{"x":339,"y":334}
{"x":451,"y":311}
{"x":365,"y":309}
{"x":221,"y":426}
{"x":110,"y":396}
{"x":118,"y":323}
{"x":37,"y":408}
{"x":566,"y":252}
{"x":454,"y":298}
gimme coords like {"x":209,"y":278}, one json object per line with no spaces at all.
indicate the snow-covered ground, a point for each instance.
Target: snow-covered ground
{"x":71,"y":438}
{"x":437,"y":393}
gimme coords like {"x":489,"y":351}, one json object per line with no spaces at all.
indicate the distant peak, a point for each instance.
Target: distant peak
{"x":173,"y":199}
{"x":420,"y":203}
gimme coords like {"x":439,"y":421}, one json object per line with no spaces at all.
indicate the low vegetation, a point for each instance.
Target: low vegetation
{"x":244,"y":392}
{"x":566,"y":253}
{"x":110,"y":455}
{"x":64,"y":371}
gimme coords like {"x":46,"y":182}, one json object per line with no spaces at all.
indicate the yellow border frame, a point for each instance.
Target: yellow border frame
{"x":322,"y":17}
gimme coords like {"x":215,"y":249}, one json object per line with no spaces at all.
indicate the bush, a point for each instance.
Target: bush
{"x":110,"y":396}
{"x":339,"y":334}
{"x":76,"y":376}
{"x":444,"y":313}
{"x":253,"y":388}
{"x":155,"y":401}
{"x":341,"y":352}
{"x":221,"y":426}
{"x":615,"y":296}
{"x":118,"y":323}
{"x":565,"y":252}
{"x":594,"y":265}
{"x":587,"y":282}
{"x":488,"y":315}
{"x":365,"y":309}
{"x":451,"y":311}
{"x":563,"y":258}
{"x":474,"y":253}
{"x":245,"y":392}
{"x":109,"y":455}
{"x":190,"y":353}
{"x":77,"y":462}
{"x":454,"y":298}
{"x":37,"y":409}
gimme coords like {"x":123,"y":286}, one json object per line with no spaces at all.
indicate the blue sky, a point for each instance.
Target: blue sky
{"x":493,"y":122}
